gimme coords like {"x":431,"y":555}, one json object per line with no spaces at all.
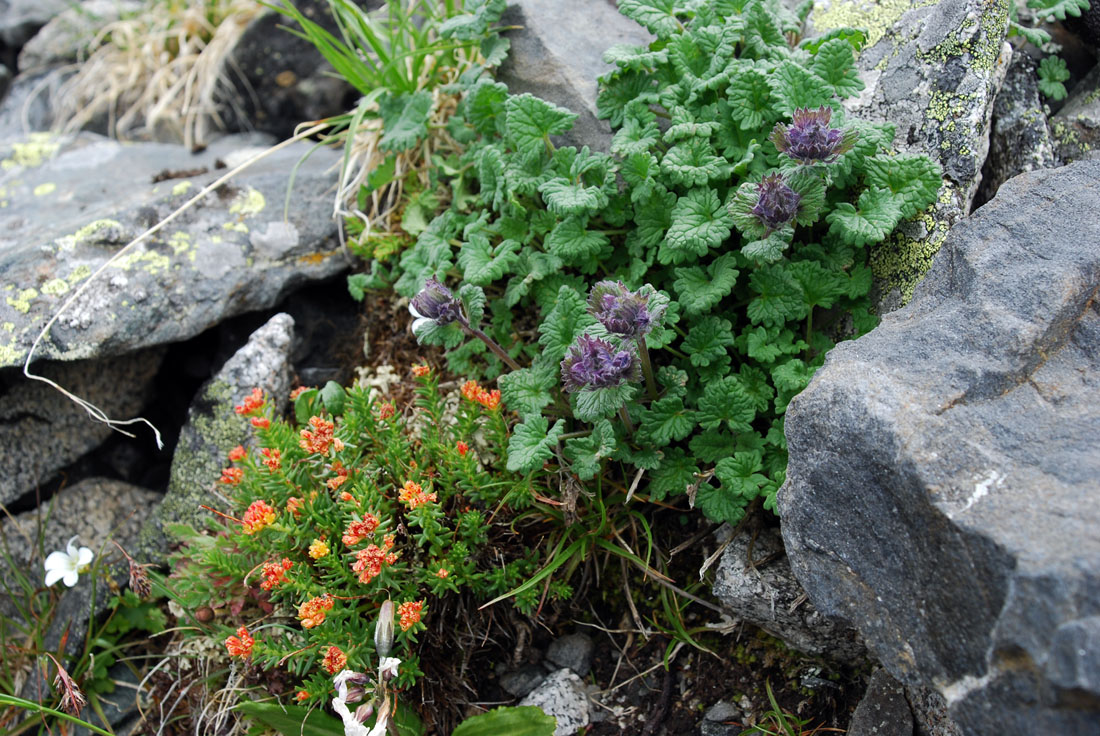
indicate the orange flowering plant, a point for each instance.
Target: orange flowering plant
{"x":357,"y":503}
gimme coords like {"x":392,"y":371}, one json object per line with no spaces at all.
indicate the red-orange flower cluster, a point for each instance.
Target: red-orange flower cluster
{"x":261,"y":422}
{"x":275,"y":573}
{"x":341,"y":476}
{"x":273,"y":459}
{"x":237,"y":453}
{"x":231,"y":476}
{"x":489,"y":399}
{"x":252,"y":403}
{"x":357,"y":531}
{"x":320,"y":437}
{"x":409,"y":611}
{"x":298,"y":392}
{"x":334,"y":660}
{"x":368,"y":562}
{"x":312,"y":612}
{"x":240,"y":645}
{"x":414,"y":495}
{"x":294,"y":506}
{"x":257,"y":516}
{"x":385,"y":411}
{"x":462,"y":448}
{"x":420,"y":371}
{"x":301,"y":696}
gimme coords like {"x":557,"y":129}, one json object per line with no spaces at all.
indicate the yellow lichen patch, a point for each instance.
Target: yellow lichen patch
{"x":146,"y":260}
{"x":43,"y":189}
{"x":79,"y":273}
{"x":877,"y":18}
{"x":181,"y":188}
{"x":10,"y":355}
{"x":313,"y":259}
{"x":33,"y":152}
{"x":179,"y":241}
{"x":55,"y":287}
{"x":88,"y":232}
{"x":902,"y":260}
{"x":8,"y":327}
{"x":248,"y":202}
{"x":239,"y":227}
{"x":21,"y":302}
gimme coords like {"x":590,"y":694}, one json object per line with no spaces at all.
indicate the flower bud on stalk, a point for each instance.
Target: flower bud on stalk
{"x":383,"y":630}
{"x":435,"y":304}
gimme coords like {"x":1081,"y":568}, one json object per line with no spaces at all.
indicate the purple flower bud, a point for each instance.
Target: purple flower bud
{"x":623,"y":312}
{"x":810,"y":140}
{"x":435,"y":303}
{"x":778,"y":203}
{"x":594,"y":363}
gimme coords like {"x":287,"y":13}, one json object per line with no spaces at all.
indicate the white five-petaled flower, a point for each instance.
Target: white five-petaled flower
{"x":67,"y":566}
{"x":420,"y":320}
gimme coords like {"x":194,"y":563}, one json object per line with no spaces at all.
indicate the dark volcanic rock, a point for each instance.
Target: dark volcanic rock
{"x":944,"y":469}
{"x":883,"y":710}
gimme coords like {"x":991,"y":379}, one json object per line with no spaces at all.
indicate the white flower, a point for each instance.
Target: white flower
{"x":388,"y":666}
{"x":68,"y":565}
{"x":420,"y":320}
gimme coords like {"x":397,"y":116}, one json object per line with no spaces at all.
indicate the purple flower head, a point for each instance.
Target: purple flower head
{"x":623,"y":312}
{"x":434,"y":303}
{"x":810,"y":140}
{"x":778,"y":203}
{"x":595,"y":363}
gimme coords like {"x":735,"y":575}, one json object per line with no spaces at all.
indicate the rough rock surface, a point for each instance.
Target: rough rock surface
{"x":883,"y":711}
{"x":563,"y":696}
{"x":20,"y":19}
{"x":61,"y":40}
{"x":933,"y":69}
{"x":573,"y":651}
{"x":1076,"y":127}
{"x":25,"y":109}
{"x":94,"y":509}
{"x":768,"y":595}
{"x":213,"y":429}
{"x":1020,"y":139}
{"x":67,"y":205}
{"x":42,"y":431}
{"x":559,"y":54}
{"x":944,"y":469}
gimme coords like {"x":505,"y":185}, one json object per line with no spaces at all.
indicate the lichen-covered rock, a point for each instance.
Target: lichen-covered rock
{"x":1020,"y":139}
{"x":42,"y":430}
{"x":68,"y":204}
{"x":213,"y":428}
{"x":764,"y":592}
{"x":933,"y":69}
{"x":558,"y":54}
{"x":562,"y":695}
{"x":944,"y":469}
{"x":1077,"y":125}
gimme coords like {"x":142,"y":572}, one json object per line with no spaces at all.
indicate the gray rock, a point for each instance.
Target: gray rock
{"x":63,"y":39}
{"x":95,"y":510}
{"x":213,"y":428}
{"x":558,"y":55}
{"x":883,"y":711}
{"x":723,"y":710}
{"x":563,"y":696}
{"x":769,"y":596}
{"x":721,"y":719}
{"x":1076,"y":127}
{"x":522,"y":681}
{"x":20,"y":19}
{"x":957,"y":526}
{"x":933,"y":70}
{"x":5,"y":80}
{"x":1020,"y":139}
{"x":42,"y":431}
{"x":25,"y":111}
{"x":69,"y":204}
{"x":573,"y":651}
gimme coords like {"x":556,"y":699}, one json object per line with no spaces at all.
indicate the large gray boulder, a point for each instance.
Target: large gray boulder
{"x":933,"y":69}
{"x":558,"y":54}
{"x":42,"y":430}
{"x":68,"y":204}
{"x":213,"y":428}
{"x":944,"y":469}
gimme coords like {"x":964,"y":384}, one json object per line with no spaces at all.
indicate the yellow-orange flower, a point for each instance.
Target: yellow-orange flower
{"x":257,"y":516}
{"x":294,"y":505}
{"x":231,"y":476}
{"x":420,"y":371}
{"x":240,"y":645}
{"x":273,"y":459}
{"x":473,"y":392}
{"x":251,"y":403}
{"x":275,"y":573}
{"x":409,"y":612}
{"x":335,"y":660}
{"x":357,"y":530}
{"x":414,"y":495}
{"x":318,"y":548}
{"x":237,"y":453}
{"x":312,"y":612}
{"x":320,"y":437}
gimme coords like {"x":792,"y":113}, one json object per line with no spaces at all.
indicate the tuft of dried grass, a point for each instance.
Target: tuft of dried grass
{"x":155,"y":73}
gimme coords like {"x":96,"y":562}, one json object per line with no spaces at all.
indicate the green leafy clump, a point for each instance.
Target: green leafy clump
{"x":737,"y":188}
{"x":1052,"y":74}
{"x":360,"y":504}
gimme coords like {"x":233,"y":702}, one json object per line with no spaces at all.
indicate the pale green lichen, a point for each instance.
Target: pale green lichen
{"x":35,"y":151}
{"x":181,"y":188}
{"x":877,"y":18}
{"x":10,"y":355}
{"x":148,"y":261}
{"x":239,"y":227}
{"x":21,"y":302}
{"x":901,"y":261}
{"x":43,"y":189}
{"x":89,"y":233}
{"x":55,"y":287}
{"x":179,"y":241}
{"x":79,"y":273}
{"x":8,"y":326}
{"x":249,"y":202}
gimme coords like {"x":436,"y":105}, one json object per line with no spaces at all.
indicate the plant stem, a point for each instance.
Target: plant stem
{"x":33,"y":706}
{"x":626,"y":420}
{"x":497,"y":349}
{"x":647,"y":368}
